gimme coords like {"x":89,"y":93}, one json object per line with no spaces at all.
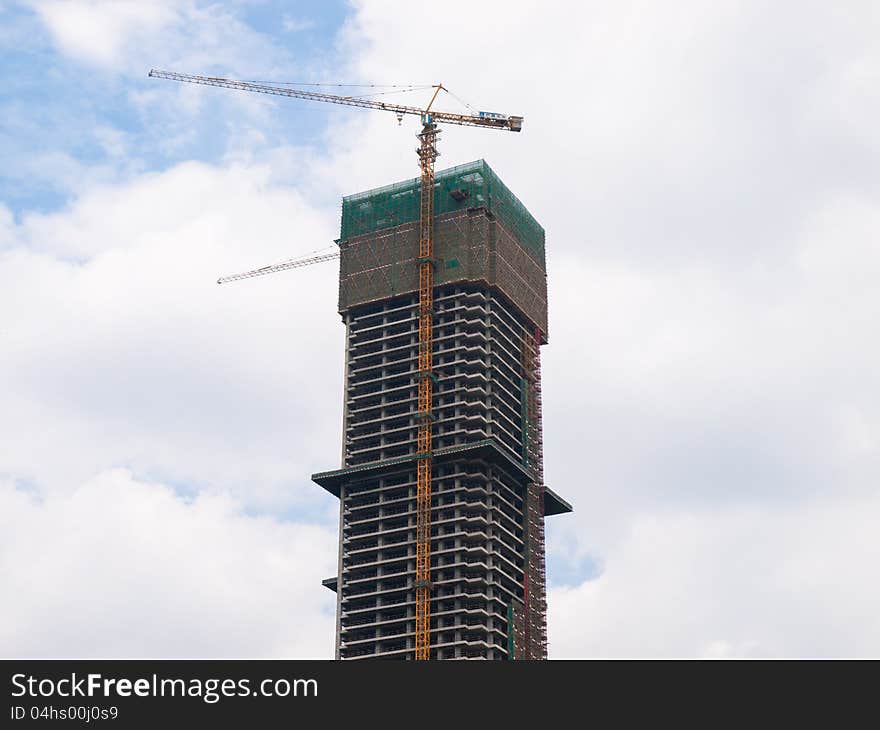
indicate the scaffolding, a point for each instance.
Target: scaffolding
{"x":474,"y":239}
{"x":534,"y":573}
{"x":472,"y":185}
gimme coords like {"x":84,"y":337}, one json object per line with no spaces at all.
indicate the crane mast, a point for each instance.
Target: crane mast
{"x":427,"y":152}
{"x":427,"y":156}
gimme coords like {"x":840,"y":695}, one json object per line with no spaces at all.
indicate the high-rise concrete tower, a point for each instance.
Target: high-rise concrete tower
{"x":488,"y":497}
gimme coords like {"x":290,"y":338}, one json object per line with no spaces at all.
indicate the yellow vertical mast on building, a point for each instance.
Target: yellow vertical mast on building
{"x":427,"y":156}
{"x":427,"y":152}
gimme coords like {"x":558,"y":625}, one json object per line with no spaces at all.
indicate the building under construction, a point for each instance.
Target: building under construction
{"x":487,"y":499}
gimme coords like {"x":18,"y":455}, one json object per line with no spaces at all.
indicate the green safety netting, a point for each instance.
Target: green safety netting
{"x":471,"y":185}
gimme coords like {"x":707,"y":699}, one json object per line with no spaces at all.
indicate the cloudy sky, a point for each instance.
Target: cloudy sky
{"x":707,"y":174}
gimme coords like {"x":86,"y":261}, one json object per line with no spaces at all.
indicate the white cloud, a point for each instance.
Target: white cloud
{"x":61,"y":172}
{"x":759,"y":581}
{"x":115,"y":142}
{"x":124,"y":568}
{"x":129,"y":37}
{"x":706,"y":387}
{"x":100,"y":31}
{"x":7,"y":229}
{"x":297,"y":25}
{"x":121,"y":350}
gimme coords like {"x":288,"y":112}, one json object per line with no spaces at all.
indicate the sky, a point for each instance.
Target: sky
{"x":707,"y":175}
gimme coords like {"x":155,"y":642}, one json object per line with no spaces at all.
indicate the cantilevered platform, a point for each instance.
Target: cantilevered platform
{"x":489,"y":449}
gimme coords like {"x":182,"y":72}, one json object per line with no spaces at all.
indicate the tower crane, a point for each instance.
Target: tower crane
{"x":427,"y":153}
